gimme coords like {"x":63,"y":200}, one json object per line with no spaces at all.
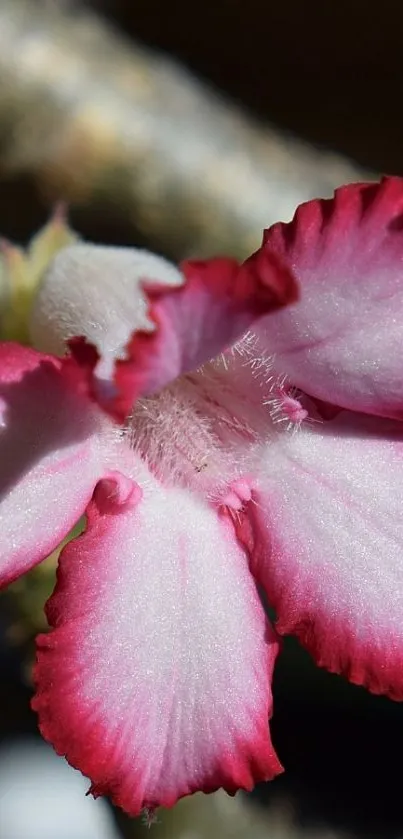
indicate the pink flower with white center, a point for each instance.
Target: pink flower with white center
{"x":279,"y":461}
{"x":155,"y":680}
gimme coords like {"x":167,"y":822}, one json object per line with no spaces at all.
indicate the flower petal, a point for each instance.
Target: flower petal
{"x":326,"y":543}
{"x":342,"y":341}
{"x":153,"y":320}
{"x":155,"y":680}
{"x":50,"y":454}
{"x":97,"y":292}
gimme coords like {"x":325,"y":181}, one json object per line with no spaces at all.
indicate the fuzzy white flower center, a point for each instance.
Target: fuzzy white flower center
{"x":204,"y":430}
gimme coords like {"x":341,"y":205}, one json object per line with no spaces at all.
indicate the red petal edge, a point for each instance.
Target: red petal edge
{"x":340,"y":343}
{"x":253,"y":762}
{"x":193,"y":323}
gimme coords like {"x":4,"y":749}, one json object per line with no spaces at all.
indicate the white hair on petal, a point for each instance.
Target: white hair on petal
{"x":277,"y":394}
{"x":204,"y":430}
{"x":190,"y":434}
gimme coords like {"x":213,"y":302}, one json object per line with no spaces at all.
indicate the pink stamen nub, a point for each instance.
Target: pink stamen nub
{"x":293,"y":409}
{"x":286,"y":407}
{"x":238,"y":494}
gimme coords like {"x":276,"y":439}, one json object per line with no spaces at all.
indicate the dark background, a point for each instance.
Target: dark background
{"x":329,"y":70}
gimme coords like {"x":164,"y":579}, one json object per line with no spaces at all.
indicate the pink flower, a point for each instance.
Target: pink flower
{"x":155,"y":680}
{"x":282,"y":457}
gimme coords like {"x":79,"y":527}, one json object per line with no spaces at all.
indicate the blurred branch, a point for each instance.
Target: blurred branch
{"x":100,"y":121}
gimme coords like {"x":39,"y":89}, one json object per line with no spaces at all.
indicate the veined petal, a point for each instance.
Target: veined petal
{"x":155,"y":680}
{"x":50,"y":455}
{"x":148,"y":321}
{"x":342,"y":341}
{"x":326,"y":543}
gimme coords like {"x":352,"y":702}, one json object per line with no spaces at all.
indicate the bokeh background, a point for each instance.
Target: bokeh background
{"x":300,"y":96}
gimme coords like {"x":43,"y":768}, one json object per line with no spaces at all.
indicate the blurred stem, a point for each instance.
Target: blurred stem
{"x":217,"y":816}
{"x":106,"y":123}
